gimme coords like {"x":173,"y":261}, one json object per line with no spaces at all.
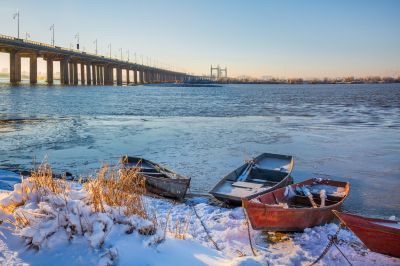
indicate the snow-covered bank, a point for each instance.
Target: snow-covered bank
{"x":66,"y":231}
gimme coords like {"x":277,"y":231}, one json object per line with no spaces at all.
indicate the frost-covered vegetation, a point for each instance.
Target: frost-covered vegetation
{"x":108,"y":220}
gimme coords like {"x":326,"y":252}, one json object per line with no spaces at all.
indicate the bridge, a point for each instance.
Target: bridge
{"x":94,"y":69}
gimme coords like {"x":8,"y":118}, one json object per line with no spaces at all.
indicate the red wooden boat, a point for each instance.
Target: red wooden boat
{"x":290,"y":209}
{"x":379,"y":235}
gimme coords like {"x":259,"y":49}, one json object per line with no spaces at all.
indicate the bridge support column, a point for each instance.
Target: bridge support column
{"x":106,"y":75}
{"x":82,"y":73}
{"x":75,"y":66}
{"x":98,"y":75}
{"x":50,"y":77}
{"x":88,"y":74}
{"x":135,"y":76}
{"x":102,"y":75}
{"x":94,"y":80}
{"x":33,"y":69}
{"x":127,"y":76}
{"x":64,"y":72}
{"x":119,"y":76}
{"x":14,"y":57}
{"x":110,"y":75}
{"x":71,"y":73}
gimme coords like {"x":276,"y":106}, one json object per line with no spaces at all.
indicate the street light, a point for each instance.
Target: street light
{"x":77,"y":43}
{"x":52,"y":38}
{"x":16,"y":15}
{"x":135,"y":58}
{"x":120,"y":49}
{"x":109,"y":46}
{"x":95,"y":42}
{"x":128,"y":55}
{"x":27,"y":35}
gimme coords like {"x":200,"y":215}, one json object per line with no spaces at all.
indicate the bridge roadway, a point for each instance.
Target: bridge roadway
{"x":94,"y":69}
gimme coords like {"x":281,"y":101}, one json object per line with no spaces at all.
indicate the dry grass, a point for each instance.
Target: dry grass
{"x":44,"y":182}
{"x":119,"y":186}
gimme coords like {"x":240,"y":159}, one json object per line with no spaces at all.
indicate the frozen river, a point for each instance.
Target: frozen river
{"x":350,"y":132}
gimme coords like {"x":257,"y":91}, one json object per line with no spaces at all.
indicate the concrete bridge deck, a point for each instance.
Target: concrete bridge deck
{"x":94,"y":69}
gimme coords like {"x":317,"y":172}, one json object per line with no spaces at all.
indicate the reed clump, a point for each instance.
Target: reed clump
{"x":44,"y":183}
{"x":118,"y":186}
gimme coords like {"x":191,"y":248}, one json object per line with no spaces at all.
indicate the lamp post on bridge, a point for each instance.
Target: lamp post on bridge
{"x":77,"y":43}
{"x":27,"y":35}
{"x":16,"y":15}
{"x":109,"y":46}
{"x":52,"y":38}
{"x":128,"y":55}
{"x":120,"y":49}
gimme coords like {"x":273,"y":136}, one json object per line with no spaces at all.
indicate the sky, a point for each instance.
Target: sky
{"x":303,"y":39}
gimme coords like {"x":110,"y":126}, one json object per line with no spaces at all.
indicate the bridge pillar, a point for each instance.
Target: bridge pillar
{"x":119,"y":76}
{"x":33,"y":68}
{"x":15,"y":67}
{"x":50,"y":78}
{"x":127,"y":76}
{"x":71,"y":73}
{"x":135,"y":76}
{"x":98,"y":74}
{"x":101,"y":70}
{"x":106,"y":75}
{"x":64,"y":77}
{"x":88,"y":74}
{"x":94,"y":80}
{"x":82,"y":73}
{"x":75,"y":65}
{"x":111,"y":75}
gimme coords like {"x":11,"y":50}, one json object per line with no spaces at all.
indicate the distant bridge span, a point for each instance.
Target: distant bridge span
{"x":94,"y":69}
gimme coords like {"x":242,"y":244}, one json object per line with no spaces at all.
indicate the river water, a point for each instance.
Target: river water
{"x":348,"y":132}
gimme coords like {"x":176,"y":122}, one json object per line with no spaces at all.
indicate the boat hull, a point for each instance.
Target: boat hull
{"x":171,"y":188}
{"x":158,"y":179}
{"x":278,"y":219}
{"x":267,"y":214}
{"x":378,"y":238}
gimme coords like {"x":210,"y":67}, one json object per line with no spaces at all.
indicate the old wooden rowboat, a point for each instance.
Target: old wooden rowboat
{"x":160,"y":180}
{"x":264,"y":173}
{"x":298,"y":206}
{"x":379,"y":235}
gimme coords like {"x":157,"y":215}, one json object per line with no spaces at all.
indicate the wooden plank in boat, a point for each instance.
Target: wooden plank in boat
{"x":247,"y":185}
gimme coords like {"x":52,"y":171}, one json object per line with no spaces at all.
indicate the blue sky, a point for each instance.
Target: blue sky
{"x":256,"y":38}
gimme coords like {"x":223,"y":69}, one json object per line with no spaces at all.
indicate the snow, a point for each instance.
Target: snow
{"x":329,"y":190}
{"x":393,"y":225}
{"x":66,"y":231}
{"x":274,"y":164}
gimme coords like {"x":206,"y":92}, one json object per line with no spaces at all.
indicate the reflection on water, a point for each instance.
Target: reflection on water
{"x":349,"y":131}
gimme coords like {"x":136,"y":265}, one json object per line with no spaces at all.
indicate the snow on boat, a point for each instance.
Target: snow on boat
{"x":379,"y":235}
{"x":264,"y":173}
{"x":159,"y":180}
{"x":298,"y":206}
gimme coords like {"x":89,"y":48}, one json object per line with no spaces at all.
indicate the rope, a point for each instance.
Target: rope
{"x":342,"y":254}
{"x":330,"y":243}
{"x":248,"y":232}
{"x":205,"y":228}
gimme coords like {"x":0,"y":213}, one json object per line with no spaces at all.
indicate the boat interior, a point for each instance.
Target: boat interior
{"x":264,"y":174}
{"x":296,"y":199}
{"x":148,"y":169}
{"x":301,"y":201}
